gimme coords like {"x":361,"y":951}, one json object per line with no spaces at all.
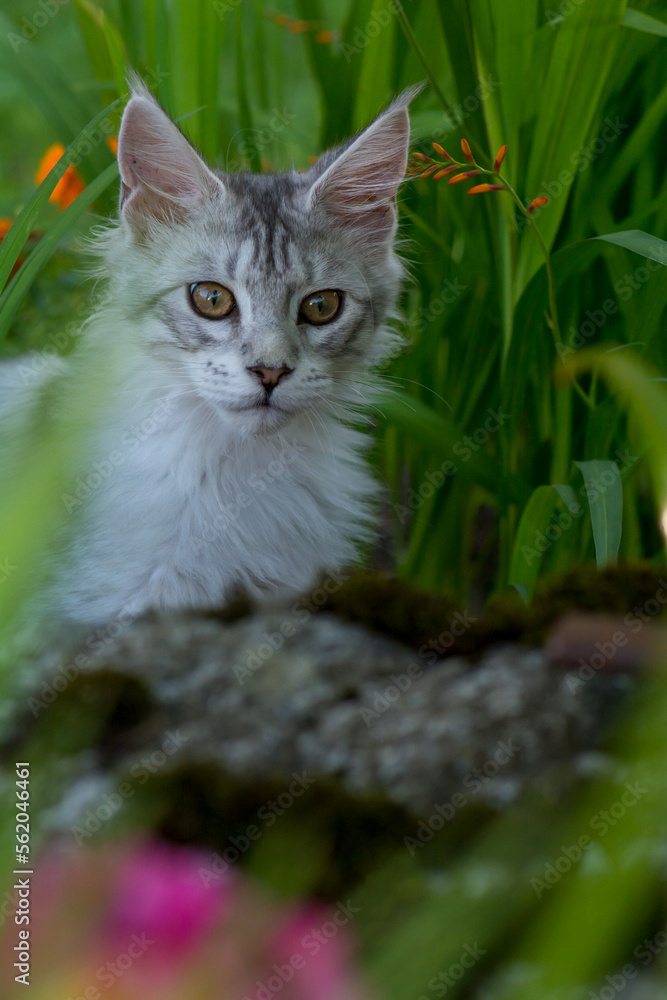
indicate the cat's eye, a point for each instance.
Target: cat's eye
{"x":321,"y":307}
{"x":211,"y":300}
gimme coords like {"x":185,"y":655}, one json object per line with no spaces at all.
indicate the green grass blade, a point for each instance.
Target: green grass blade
{"x":13,"y":295}
{"x":639,"y":242}
{"x":643,"y":22}
{"x":15,"y":240}
{"x":531,"y":540}
{"x":604,"y":492}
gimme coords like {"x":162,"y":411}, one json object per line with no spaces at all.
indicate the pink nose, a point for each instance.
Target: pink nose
{"x":269,"y":377}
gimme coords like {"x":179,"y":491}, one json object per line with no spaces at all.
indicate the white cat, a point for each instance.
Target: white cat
{"x":241,"y":310}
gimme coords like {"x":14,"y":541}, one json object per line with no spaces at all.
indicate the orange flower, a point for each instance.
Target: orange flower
{"x":444,"y":172}
{"x":485,"y":188}
{"x":429,"y":171}
{"x":440,"y":151}
{"x":422,"y":158}
{"x":112,"y":143}
{"x":70,"y":184}
{"x":500,"y":156}
{"x":465,"y":146}
{"x":326,"y":37}
{"x":537,"y":203}
{"x":298,"y":27}
{"x":462,"y":177}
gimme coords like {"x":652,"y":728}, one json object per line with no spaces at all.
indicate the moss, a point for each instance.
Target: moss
{"x":392,"y":606}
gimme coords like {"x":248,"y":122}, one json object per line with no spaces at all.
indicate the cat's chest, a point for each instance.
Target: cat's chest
{"x":186,"y":490}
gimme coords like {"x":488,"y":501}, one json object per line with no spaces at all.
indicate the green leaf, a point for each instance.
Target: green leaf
{"x":15,"y":240}
{"x":639,"y":242}
{"x":644,"y":398}
{"x":13,"y":295}
{"x":526,"y":557}
{"x":604,"y":492}
{"x":642,"y":22}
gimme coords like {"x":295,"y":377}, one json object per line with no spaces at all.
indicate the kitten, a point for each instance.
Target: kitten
{"x":245,"y":310}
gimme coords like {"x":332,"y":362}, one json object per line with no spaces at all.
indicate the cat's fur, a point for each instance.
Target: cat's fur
{"x":192,"y":493}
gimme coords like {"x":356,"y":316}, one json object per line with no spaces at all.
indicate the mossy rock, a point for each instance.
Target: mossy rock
{"x":425,"y":621}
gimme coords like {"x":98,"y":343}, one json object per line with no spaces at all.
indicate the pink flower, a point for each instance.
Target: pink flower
{"x":161,"y":893}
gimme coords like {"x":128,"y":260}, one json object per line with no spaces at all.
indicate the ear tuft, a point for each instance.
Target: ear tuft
{"x":162,"y":175}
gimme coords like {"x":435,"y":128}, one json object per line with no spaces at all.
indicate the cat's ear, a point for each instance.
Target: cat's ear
{"x":358,"y":186}
{"x":162,"y":175}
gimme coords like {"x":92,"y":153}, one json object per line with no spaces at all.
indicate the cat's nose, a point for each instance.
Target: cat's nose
{"x":270,"y":377}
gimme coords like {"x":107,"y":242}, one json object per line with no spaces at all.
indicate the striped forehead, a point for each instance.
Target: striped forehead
{"x":266,"y":217}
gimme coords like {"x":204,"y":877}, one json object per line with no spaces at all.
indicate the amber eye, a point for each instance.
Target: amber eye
{"x":321,"y":307}
{"x":211,"y":300}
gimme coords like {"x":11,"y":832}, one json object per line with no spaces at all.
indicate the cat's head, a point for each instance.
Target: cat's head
{"x":267,"y":293}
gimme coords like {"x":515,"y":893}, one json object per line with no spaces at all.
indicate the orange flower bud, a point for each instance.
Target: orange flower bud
{"x":440,"y":151}
{"x":537,"y":203}
{"x":429,"y":171}
{"x":443,"y":173}
{"x":422,"y":158}
{"x":500,"y":156}
{"x":485,"y":188}
{"x":466,"y":151}
{"x":462,"y":177}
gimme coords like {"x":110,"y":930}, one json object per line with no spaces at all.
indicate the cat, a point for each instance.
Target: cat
{"x":242,"y":316}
